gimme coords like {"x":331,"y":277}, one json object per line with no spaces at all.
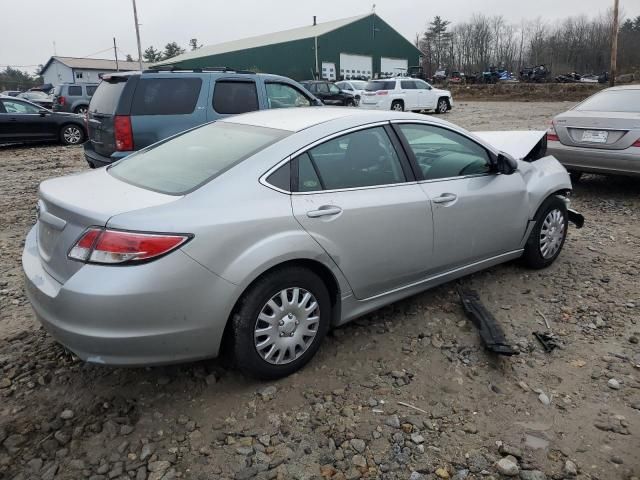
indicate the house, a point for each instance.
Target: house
{"x":360,"y":47}
{"x":81,"y":70}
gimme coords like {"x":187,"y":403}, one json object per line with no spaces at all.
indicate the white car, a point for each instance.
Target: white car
{"x":355,"y":87}
{"x":405,"y":94}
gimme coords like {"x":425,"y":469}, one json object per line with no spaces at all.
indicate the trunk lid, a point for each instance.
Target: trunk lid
{"x":602,"y":130}
{"x":69,"y":205}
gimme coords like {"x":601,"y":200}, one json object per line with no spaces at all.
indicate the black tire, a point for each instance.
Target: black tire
{"x":81,"y":110}
{"x":533,"y":255}
{"x":350,"y":102}
{"x":397,"y":105}
{"x":250,"y":306}
{"x":72,"y":134}
{"x":442,"y":106}
{"x":575,"y":176}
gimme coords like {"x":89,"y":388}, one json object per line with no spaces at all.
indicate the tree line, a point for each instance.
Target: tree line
{"x":575,"y":44}
{"x":171,"y":49}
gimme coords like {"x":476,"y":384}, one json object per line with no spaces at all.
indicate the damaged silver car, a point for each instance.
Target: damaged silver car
{"x":262,"y":231}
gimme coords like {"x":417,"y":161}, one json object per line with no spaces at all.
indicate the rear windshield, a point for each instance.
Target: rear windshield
{"x":106,"y":97}
{"x":612,"y":101}
{"x":188,"y":161}
{"x":380,"y":85}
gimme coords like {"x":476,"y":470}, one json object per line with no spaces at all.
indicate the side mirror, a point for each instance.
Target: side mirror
{"x":506,"y":164}
{"x":43,"y":112}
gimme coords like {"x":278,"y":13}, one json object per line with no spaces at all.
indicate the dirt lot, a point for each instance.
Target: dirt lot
{"x":575,"y":411}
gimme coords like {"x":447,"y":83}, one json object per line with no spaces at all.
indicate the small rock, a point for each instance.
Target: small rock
{"x":570,"y":469}
{"x":210,"y":379}
{"x":416,"y":476}
{"x":392,"y":421}
{"x":66,"y":414}
{"x":158,"y":466}
{"x":147,"y":451}
{"x":544,"y":399}
{"x":442,"y":473}
{"x":358,"y":445}
{"x":507,"y":467}
{"x":532,"y":475}
{"x":614,"y":384}
{"x":617,"y":460}
{"x":359,"y":461}
{"x":417,"y":438}
{"x":267,"y":392}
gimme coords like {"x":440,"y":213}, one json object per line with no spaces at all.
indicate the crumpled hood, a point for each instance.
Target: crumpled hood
{"x":518,"y":144}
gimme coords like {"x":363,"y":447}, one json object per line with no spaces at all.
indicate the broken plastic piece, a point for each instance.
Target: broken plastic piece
{"x":547,"y":341}
{"x":576,"y":218}
{"x":490,"y":330}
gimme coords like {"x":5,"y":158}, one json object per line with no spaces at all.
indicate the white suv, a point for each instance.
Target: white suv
{"x":403,"y":93}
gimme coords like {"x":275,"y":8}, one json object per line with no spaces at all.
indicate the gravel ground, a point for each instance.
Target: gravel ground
{"x":407,"y":392}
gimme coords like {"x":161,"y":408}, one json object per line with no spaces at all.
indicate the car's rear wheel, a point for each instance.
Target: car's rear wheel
{"x":442,"y":106}
{"x":280,"y":322}
{"x":397,"y":106}
{"x":71,"y":135}
{"x":81,"y":110}
{"x":548,"y":235}
{"x":350,"y":102}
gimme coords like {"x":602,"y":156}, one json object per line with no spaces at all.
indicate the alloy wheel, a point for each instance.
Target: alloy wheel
{"x":286,"y":326}
{"x":442,"y":106}
{"x":397,"y":107}
{"x":72,"y":135}
{"x":552,"y":233}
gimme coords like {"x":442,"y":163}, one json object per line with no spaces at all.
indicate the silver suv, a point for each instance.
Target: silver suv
{"x":73,"y":97}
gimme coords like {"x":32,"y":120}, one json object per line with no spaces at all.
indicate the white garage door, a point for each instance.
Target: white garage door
{"x":355,"y":66}
{"x":393,"y":66}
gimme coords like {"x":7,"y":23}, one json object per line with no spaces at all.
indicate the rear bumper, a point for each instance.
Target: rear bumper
{"x":384,"y":104}
{"x":595,"y":160}
{"x":168,"y":311}
{"x":95,"y":160}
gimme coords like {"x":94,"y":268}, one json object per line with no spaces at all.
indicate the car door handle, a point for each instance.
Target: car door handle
{"x":445,"y":198}
{"x":324,"y":211}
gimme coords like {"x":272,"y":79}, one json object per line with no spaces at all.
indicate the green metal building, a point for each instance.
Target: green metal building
{"x":358,"y":47}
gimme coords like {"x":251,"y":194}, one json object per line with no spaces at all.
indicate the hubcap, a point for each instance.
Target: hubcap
{"x":287,"y":326}
{"x":443,"y":106}
{"x":397,"y":107}
{"x":72,"y":135}
{"x":552,"y":233}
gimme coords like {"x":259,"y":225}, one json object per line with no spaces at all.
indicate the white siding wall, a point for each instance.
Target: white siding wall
{"x":88,"y":76}
{"x":57,"y":73}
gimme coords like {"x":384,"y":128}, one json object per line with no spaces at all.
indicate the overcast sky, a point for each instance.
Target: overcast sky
{"x":83,"y":28}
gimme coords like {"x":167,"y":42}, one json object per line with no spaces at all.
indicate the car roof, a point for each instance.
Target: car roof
{"x":624,"y":87}
{"x":296,"y":119}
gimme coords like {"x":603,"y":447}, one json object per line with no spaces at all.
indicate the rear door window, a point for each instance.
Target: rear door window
{"x":107,"y":96}
{"x":75,"y":91}
{"x":232,"y":97}
{"x":408,"y":84}
{"x":91,"y":89}
{"x":166,"y":96}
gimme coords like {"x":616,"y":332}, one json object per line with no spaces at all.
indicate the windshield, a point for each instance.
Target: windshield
{"x":612,"y":101}
{"x":380,"y":85}
{"x":359,"y":84}
{"x":186,"y":162}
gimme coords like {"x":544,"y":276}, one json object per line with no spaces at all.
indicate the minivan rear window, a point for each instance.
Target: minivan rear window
{"x":166,"y":96}
{"x":380,"y":85}
{"x":184,"y":163}
{"x":106,"y":97}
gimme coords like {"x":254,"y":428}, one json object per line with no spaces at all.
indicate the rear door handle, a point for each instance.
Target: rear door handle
{"x":324,"y":211}
{"x":445,"y":198}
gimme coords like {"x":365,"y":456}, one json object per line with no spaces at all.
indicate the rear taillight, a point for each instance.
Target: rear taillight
{"x":636,"y":143}
{"x":382,"y":92}
{"x":552,"y":135}
{"x":122,"y":132}
{"x":61,"y":100}
{"x":114,"y":247}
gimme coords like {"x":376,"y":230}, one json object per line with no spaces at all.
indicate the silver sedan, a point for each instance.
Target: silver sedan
{"x":601,"y":134}
{"x":264,"y":230}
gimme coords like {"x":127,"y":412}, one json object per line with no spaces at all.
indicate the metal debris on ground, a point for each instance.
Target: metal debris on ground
{"x":547,"y":340}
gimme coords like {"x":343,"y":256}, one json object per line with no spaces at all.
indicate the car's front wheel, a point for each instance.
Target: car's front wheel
{"x":442,"y":106}
{"x":71,"y":135}
{"x":548,"y":235}
{"x":280,"y":322}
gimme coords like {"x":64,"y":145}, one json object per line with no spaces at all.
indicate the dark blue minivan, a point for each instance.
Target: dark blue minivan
{"x":132,"y":110}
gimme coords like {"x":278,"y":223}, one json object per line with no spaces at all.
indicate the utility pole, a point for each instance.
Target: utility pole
{"x":614,"y":45}
{"x":115,"y":52}
{"x":135,"y":18}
